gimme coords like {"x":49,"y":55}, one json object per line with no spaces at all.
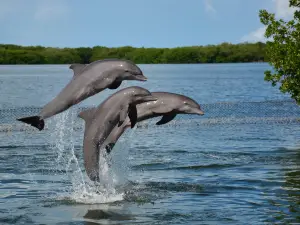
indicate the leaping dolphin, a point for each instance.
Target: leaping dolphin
{"x":87,"y":81}
{"x":168,"y":106}
{"x":100,"y":121}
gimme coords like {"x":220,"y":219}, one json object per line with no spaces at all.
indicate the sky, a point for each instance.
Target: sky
{"x":138,"y":23}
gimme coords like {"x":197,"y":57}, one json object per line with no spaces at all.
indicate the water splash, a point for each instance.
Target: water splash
{"x":98,"y":192}
{"x":81,"y":189}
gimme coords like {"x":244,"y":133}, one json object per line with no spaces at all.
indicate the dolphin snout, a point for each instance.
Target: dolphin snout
{"x":149,"y":98}
{"x":198,"y":111}
{"x":141,"y":77}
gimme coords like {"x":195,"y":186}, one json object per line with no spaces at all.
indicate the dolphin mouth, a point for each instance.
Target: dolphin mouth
{"x":149,"y":98}
{"x":198,"y":111}
{"x":140,"y":77}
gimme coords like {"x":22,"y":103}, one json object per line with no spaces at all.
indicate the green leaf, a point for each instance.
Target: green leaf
{"x":283,"y":52}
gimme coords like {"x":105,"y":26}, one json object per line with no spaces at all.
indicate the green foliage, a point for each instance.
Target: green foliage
{"x":85,"y":54}
{"x":283,"y":51}
{"x":223,"y":53}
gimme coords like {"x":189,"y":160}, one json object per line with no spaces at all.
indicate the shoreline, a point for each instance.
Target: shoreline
{"x":222,"y":53}
{"x":221,"y":63}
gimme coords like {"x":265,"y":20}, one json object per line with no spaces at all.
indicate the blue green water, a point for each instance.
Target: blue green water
{"x":237,"y":164}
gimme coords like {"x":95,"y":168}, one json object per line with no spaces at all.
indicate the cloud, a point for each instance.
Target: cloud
{"x":209,"y":7}
{"x":282,"y":10}
{"x":255,"y":36}
{"x":51,"y":10}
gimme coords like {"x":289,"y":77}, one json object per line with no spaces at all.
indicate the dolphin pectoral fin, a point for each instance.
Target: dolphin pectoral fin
{"x":166,"y":118}
{"x":34,"y":121}
{"x":77,"y":68}
{"x":115,"y":85}
{"x":132,"y":114}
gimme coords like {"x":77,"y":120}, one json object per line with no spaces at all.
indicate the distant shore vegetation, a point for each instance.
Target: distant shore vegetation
{"x":222,"y":53}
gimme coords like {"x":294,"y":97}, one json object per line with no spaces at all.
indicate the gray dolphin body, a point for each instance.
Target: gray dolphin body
{"x":168,"y":106}
{"x":100,"y":121}
{"x":88,"y":80}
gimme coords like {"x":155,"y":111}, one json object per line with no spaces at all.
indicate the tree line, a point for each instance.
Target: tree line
{"x":222,"y":53}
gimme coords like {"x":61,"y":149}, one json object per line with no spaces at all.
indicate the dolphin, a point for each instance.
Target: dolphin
{"x":168,"y":106}
{"x":99,"y":122}
{"x":87,"y":81}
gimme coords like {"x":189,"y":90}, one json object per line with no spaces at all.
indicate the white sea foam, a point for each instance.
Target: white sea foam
{"x":82,"y":190}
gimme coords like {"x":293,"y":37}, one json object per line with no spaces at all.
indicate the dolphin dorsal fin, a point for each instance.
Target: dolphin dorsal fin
{"x":77,"y":68}
{"x":88,"y":114}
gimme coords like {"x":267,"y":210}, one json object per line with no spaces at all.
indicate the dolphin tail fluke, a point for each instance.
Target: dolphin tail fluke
{"x":34,"y":121}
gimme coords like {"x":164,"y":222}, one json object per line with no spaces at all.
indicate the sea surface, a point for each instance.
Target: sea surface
{"x":237,"y":164}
